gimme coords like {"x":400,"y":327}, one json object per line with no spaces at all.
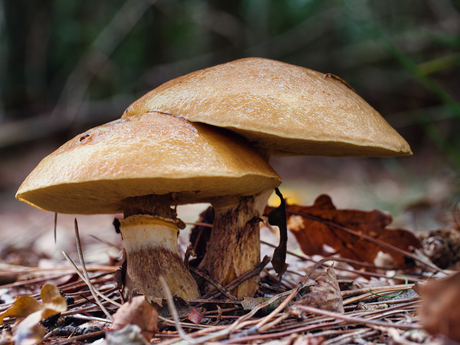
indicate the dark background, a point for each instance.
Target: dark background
{"x":66,"y":66}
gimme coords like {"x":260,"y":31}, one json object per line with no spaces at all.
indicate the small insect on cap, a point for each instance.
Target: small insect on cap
{"x":286,"y":109}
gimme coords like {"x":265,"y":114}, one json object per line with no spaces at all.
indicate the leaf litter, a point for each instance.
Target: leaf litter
{"x":351,"y":299}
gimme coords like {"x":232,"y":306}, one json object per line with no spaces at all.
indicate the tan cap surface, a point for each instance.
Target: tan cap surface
{"x":145,"y":154}
{"x":277,"y":106}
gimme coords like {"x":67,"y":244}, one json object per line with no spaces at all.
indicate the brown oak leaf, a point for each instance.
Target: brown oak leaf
{"x":137,"y":312}
{"x":326,"y":294}
{"x":313,"y":234}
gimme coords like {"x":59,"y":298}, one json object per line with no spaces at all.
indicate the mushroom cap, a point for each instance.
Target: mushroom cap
{"x":143,"y":155}
{"x":287,"y":109}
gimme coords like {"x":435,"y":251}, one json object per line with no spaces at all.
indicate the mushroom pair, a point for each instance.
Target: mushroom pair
{"x":282,"y":110}
{"x":153,"y":159}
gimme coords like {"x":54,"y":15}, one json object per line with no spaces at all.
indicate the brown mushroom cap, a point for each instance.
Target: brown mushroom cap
{"x":141,"y":155}
{"x":277,"y":106}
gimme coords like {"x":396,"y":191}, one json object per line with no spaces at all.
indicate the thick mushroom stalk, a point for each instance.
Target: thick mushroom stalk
{"x":234,"y":246}
{"x":150,"y":230}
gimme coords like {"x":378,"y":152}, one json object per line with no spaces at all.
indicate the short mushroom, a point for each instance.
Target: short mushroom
{"x":281,"y":109}
{"x":142,"y":166}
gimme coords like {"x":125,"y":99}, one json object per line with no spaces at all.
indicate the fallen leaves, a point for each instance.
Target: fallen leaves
{"x":28,"y":331}
{"x":312,"y":228}
{"x":195,"y":316}
{"x":323,"y":294}
{"x":439,"y":312}
{"x":326,"y":294}
{"x":137,"y":312}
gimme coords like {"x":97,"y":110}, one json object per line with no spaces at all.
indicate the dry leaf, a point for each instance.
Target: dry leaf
{"x":278,"y":217}
{"x":326,"y":294}
{"x":22,"y":307}
{"x":312,"y":235}
{"x":137,"y":312}
{"x":440,"y":312}
{"x":195,"y":316}
{"x":52,"y":303}
{"x":28,"y":331}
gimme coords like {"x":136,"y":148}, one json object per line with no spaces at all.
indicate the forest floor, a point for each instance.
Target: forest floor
{"x":420,"y":193}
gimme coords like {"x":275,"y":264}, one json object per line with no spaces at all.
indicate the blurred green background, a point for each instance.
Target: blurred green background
{"x":67,"y":66}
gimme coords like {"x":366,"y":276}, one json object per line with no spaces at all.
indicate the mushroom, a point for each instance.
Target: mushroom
{"x":282,"y":110}
{"x":142,"y":166}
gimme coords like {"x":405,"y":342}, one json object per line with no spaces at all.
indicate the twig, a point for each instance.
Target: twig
{"x":174,"y":314}
{"x":240,"y":323}
{"x":308,"y":328}
{"x":199,"y":224}
{"x":214,"y":301}
{"x":185,"y":324}
{"x":354,"y":319}
{"x":372,"y":294}
{"x":55,"y":227}
{"x":255,"y":329}
{"x":345,"y":338}
{"x":214,"y":282}
{"x":31,"y":281}
{"x":90,"y":318}
{"x":83,"y":266}
{"x":376,"y":289}
{"x":72,"y":340}
{"x":292,"y":294}
{"x":54,"y":269}
{"x":87,"y":281}
{"x":265,"y":328}
{"x":245,"y":276}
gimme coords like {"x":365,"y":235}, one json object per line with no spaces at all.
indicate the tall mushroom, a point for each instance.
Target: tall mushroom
{"x":281,"y":109}
{"x":142,"y":166}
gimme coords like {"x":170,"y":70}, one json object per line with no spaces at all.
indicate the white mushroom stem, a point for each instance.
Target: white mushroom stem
{"x":234,"y":246}
{"x":151,"y":246}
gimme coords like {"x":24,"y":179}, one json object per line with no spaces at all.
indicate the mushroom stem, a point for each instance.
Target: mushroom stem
{"x":150,"y":242}
{"x":234,"y":246}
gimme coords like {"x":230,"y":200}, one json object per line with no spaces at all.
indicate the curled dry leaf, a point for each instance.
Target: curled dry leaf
{"x":440,"y":312}
{"x":52,"y":303}
{"x":28,"y":331}
{"x":27,"y":307}
{"x":195,"y":316}
{"x":137,"y":312}
{"x":278,"y":217}
{"x":312,"y":235}
{"x":326,"y":294}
